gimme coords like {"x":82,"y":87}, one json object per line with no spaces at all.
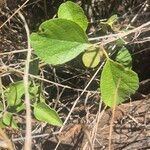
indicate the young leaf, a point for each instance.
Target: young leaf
{"x":59,"y":41}
{"x":124,"y":57}
{"x":33,"y":91}
{"x":9,"y":121}
{"x":112,"y":20}
{"x":44,"y":113}
{"x":92,"y":57}
{"x":120,"y":42}
{"x":16,"y":91}
{"x":117,"y":83}
{"x":73,"y":12}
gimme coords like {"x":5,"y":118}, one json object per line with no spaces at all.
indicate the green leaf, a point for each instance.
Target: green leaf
{"x":2,"y":125}
{"x":117,"y":83}
{"x":33,"y":91}
{"x":44,"y":113}
{"x":59,"y":41}
{"x":9,"y":121}
{"x":16,"y":108}
{"x":92,"y":57}
{"x":73,"y":12}
{"x":124,"y":57}
{"x":113,"y":19}
{"x":20,"y":107}
{"x":15,"y":92}
{"x":120,"y":42}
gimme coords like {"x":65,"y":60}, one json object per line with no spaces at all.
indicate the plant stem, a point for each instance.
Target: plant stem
{"x":104,"y":51}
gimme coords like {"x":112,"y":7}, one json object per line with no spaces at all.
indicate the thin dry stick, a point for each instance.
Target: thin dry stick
{"x":113,"y":115}
{"x":114,"y":37}
{"x":98,"y":117}
{"x":28,"y":140}
{"x":139,"y":12}
{"x":76,"y":101}
{"x":33,"y":137}
{"x":111,"y":128}
{"x":94,"y":131}
{"x":2,"y":95}
{"x":121,"y":35}
{"x":14,"y":52}
{"x":4,"y":143}
{"x":88,"y":135}
{"x":48,"y":81}
{"x":14,"y":13}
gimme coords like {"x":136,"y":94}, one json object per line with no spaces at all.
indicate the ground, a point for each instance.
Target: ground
{"x":90,"y":124}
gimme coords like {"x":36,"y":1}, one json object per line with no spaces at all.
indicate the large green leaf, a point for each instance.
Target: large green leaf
{"x":59,"y":41}
{"x":44,"y":113}
{"x":73,"y":12}
{"x":117,"y":83}
{"x":15,"y":92}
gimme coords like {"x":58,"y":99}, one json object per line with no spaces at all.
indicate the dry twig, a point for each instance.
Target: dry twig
{"x":28,"y":141}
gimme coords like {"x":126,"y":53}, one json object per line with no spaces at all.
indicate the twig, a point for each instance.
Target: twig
{"x":14,"y":52}
{"x":114,"y":37}
{"x":28,"y":140}
{"x":98,"y":117}
{"x":114,"y":99}
{"x":2,"y":95}
{"x":76,"y":101}
{"x":139,"y":12}
{"x":48,"y":81}
{"x":87,"y":133}
{"x":14,"y":13}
